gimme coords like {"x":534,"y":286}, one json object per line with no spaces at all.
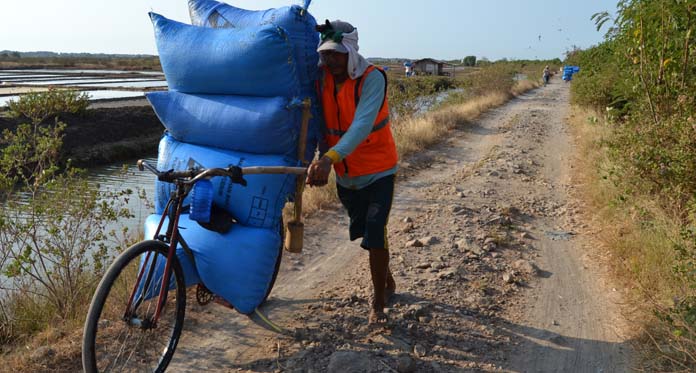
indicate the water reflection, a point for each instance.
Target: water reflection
{"x":113,"y":178}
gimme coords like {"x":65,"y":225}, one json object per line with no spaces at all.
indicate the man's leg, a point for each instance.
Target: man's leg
{"x":391,"y":285}
{"x":379,"y":268}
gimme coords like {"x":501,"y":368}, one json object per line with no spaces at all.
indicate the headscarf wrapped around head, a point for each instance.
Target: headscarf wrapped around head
{"x":343,"y":37}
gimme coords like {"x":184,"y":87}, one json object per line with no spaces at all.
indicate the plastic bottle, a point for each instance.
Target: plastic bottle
{"x":201,"y":201}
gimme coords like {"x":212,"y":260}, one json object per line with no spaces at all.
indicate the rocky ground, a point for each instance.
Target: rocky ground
{"x":490,"y":258}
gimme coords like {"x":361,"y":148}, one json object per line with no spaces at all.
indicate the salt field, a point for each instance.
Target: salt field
{"x":78,"y":81}
{"x":131,"y":84}
{"x":116,"y":84}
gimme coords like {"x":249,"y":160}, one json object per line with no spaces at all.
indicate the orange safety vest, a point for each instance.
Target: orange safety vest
{"x":377,"y":152}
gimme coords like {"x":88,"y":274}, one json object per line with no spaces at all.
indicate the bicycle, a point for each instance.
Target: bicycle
{"x":136,"y":316}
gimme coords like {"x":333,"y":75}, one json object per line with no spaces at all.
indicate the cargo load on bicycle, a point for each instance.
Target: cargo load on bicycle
{"x":240,"y":111}
{"x":237,"y":79}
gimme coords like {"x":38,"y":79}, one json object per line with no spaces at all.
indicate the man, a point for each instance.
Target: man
{"x":362,"y":151}
{"x":546,"y":75}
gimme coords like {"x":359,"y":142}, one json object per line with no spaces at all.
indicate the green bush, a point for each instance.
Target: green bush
{"x":644,"y":78}
{"x":55,"y":235}
{"x":405,"y":92}
{"x":42,"y":105}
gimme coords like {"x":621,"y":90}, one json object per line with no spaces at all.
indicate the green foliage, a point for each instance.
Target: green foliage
{"x":470,"y":61}
{"x":601,"y":83}
{"x":404,"y":93}
{"x":644,"y":77}
{"x":39,"y":106}
{"x":56,"y":234}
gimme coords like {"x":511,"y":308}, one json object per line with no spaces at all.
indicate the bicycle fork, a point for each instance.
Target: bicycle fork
{"x":150,"y":267}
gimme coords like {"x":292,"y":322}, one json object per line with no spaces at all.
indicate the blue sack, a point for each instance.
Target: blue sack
{"x":238,"y":265}
{"x":247,"y":124}
{"x":254,"y":61}
{"x":295,"y":20}
{"x":259,"y":204}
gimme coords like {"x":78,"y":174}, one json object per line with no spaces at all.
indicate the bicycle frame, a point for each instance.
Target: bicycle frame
{"x":184,"y":180}
{"x":172,"y":237}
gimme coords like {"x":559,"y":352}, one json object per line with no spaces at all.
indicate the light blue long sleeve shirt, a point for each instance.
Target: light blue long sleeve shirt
{"x":366,"y":113}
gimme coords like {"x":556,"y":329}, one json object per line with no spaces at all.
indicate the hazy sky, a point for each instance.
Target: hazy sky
{"x":443,"y":29}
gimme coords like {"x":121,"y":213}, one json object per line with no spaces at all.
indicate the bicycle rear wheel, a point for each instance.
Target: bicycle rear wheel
{"x":116,"y":339}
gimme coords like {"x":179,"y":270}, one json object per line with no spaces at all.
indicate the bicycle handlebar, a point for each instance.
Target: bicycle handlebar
{"x":233,"y":172}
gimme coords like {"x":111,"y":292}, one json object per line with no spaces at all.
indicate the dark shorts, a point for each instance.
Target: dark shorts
{"x":368,"y":209}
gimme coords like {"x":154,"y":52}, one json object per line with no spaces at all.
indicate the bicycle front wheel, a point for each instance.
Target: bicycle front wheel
{"x":118,"y":338}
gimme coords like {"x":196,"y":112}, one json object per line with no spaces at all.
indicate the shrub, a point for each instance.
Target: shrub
{"x":55,"y":235}
{"x":39,"y":106}
{"x":643,"y":77}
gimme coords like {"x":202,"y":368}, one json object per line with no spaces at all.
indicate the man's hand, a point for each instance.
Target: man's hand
{"x":318,"y":173}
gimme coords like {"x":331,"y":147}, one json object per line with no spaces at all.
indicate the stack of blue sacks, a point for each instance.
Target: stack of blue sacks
{"x":568,"y":72}
{"x":236,"y":80}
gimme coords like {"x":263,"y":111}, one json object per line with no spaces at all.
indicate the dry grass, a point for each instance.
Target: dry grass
{"x":641,"y":235}
{"x":418,"y":133}
{"x":522,"y":86}
{"x":639,"y":244}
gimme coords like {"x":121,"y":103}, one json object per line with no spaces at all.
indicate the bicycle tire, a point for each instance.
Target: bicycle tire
{"x":96,"y":348}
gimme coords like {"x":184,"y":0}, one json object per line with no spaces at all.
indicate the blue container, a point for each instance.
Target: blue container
{"x":201,"y":201}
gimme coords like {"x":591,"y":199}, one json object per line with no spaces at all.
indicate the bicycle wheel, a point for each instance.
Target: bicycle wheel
{"x":117,"y":340}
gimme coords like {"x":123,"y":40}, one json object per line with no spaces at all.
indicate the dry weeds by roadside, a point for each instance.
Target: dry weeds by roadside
{"x":638,"y":245}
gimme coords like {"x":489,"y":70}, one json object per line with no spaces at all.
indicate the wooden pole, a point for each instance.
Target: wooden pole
{"x":294,"y":234}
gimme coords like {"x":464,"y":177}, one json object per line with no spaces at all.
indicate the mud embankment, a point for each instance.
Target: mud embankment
{"x":104,"y":135}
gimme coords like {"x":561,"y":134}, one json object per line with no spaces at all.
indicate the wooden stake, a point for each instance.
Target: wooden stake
{"x":294,"y":234}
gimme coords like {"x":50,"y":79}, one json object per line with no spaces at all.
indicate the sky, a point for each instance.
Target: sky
{"x":441,"y":29}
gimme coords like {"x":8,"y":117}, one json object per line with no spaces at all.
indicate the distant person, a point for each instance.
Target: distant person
{"x":546,"y":75}
{"x":361,"y":149}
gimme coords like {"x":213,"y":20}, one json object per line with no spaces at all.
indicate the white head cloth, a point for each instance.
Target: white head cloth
{"x":357,"y":64}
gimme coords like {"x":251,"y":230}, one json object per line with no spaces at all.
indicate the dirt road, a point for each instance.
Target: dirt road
{"x":488,"y":254}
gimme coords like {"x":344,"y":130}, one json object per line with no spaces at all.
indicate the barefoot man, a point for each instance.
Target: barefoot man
{"x":361,"y":149}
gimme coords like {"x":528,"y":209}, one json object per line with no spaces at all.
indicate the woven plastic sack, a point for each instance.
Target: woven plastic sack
{"x":259,"y":204}
{"x":295,"y":20}
{"x":238,"y":265}
{"x":248,"y":124}
{"x":253,"y":61}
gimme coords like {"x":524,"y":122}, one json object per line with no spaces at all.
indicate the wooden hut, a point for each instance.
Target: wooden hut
{"x":429,"y":66}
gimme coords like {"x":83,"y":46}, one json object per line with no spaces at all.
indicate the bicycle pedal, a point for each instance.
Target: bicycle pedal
{"x":203,"y":295}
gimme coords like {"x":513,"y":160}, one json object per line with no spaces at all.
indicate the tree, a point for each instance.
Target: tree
{"x":470,"y":61}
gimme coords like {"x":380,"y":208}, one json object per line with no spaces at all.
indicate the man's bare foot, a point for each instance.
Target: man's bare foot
{"x":377,"y":318}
